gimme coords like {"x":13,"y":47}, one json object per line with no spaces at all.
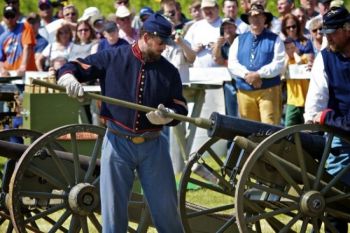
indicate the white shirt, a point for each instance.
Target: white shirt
{"x":175,"y":55}
{"x":242,"y":27}
{"x":317,"y":95}
{"x":205,"y":33}
{"x":270,"y":70}
{"x":53,"y":51}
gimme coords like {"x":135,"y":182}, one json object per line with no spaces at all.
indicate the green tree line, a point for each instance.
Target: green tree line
{"x":107,"y":6}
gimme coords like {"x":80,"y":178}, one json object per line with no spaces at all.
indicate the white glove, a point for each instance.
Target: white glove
{"x":73,"y":87}
{"x":157,"y":117}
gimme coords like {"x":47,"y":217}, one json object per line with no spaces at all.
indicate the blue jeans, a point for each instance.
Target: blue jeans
{"x":151,"y":160}
{"x":230,"y":99}
{"x":337,"y":160}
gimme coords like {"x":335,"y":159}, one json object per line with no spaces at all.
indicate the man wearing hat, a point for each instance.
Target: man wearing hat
{"x":124,"y":20}
{"x":257,"y":68}
{"x":328,"y":99}
{"x":204,"y":33}
{"x":230,"y":10}
{"x":46,"y":17}
{"x":133,"y":142}
{"x":15,"y":4}
{"x":145,"y":12}
{"x":110,"y":37}
{"x":16,"y":44}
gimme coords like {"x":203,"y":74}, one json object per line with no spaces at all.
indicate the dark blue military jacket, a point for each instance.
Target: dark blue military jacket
{"x":124,"y":75}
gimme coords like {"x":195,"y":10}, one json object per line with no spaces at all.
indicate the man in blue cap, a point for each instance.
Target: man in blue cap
{"x":145,"y":12}
{"x":133,"y":141}
{"x":328,"y":99}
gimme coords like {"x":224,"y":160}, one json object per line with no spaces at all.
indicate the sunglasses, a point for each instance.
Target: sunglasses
{"x":170,"y":13}
{"x":291,"y":27}
{"x":84,"y":30}
{"x":316,"y":29}
{"x":70,"y":14}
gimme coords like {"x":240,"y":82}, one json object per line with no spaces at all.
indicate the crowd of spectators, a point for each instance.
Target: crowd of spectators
{"x":47,"y":39}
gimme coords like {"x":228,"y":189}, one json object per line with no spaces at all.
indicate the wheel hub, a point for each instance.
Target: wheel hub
{"x":83,"y":198}
{"x":312,"y":204}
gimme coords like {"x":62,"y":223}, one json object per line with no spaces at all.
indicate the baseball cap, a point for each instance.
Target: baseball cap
{"x":110,"y":26}
{"x":122,"y":12}
{"x":9,"y":12}
{"x":46,"y":2}
{"x":228,"y":20}
{"x":89,"y":12}
{"x":146,"y":11}
{"x":208,"y":3}
{"x":159,"y":26}
{"x":335,"y":18}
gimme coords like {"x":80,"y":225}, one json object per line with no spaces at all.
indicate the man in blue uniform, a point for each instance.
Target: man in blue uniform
{"x":133,"y":142}
{"x":328,"y":98}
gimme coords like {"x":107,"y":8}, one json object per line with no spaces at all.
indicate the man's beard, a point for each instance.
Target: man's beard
{"x":334,"y":48}
{"x":150,"y":56}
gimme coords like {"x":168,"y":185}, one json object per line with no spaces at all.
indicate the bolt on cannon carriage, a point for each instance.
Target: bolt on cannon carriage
{"x":272,"y":179}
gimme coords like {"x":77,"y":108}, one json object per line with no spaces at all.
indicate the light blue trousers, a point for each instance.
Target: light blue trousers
{"x":339,"y":159}
{"x":151,"y":160}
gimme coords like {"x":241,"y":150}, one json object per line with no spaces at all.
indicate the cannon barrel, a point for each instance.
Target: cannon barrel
{"x":14,"y":151}
{"x":11,"y":150}
{"x":218,"y":125}
{"x":227,"y":127}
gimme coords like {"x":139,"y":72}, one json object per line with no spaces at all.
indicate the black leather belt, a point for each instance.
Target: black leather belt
{"x":136,"y":139}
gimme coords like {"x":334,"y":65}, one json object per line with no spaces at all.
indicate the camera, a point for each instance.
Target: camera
{"x":176,"y":32}
{"x":10,"y":12}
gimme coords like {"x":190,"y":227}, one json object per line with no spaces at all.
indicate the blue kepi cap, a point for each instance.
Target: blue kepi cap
{"x":335,"y":18}
{"x":159,"y":26}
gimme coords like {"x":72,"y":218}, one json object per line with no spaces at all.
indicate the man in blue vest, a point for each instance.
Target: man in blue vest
{"x":328,"y":98}
{"x":257,"y":68}
{"x":133,"y":142}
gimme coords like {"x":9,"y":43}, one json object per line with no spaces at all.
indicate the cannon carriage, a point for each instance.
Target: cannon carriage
{"x":274,"y":180}
{"x":271,"y":180}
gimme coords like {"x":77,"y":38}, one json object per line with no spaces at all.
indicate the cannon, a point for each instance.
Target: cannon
{"x":271,"y":180}
{"x":53,"y":187}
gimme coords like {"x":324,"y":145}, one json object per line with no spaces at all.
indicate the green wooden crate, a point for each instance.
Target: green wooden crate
{"x":44,"y":112}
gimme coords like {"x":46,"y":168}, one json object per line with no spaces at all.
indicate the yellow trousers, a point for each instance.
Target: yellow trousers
{"x":263,"y":105}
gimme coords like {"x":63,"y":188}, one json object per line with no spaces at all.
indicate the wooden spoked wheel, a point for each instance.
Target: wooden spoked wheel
{"x":15,"y":136}
{"x":59,"y":188}
{"x":206,"y":192}
{"x":284,"y":185}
